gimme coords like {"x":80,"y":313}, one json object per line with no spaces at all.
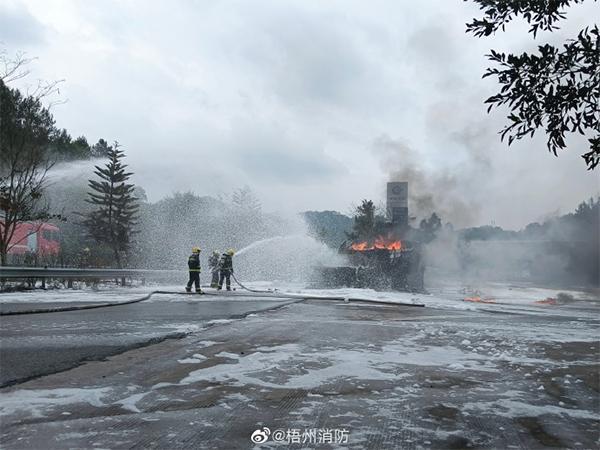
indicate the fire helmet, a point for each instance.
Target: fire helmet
{"x":195,"y":249}
{"x":216,"y":252}
{"x":230,"y":252}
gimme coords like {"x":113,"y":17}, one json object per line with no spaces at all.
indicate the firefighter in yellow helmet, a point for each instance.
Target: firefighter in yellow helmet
{"x":226,"y":269}
{"x":194,"y":269}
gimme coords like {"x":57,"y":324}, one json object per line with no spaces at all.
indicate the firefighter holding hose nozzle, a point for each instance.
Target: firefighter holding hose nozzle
{"x":226,"y":269}
{"x":194,"y":269}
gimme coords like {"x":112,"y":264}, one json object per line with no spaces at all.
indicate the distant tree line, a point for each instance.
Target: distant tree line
{"x":329,"y":227}
{"x":62,"y":147}
{"x":571,"y":240}
{"x":170,"y":226}
{"x":162,"y":232}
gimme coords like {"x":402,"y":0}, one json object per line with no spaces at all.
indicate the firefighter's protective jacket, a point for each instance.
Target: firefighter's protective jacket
{"x":213,"y":262}
{"x":226,"y":263}
{"x":194,"y":262}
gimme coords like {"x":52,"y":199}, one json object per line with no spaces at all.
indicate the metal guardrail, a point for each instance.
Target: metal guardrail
{"x":60,"y":272}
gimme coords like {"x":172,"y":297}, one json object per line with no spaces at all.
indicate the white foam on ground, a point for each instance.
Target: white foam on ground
{"x":289,"y":359}
{"x":466,"y":348}
{"x":195,"y":359}
{"x":219,"y":321}
{"x":105,"y":294}
{"x":186,"y":327}
{"x":513,"y":408}
{"x":129,"y":403}
{"x":508,"y":298}
{"x":38,"y":402}
{"x":358,"y":294}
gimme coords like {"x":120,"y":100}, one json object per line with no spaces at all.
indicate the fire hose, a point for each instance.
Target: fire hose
{"x":268,"y":291}
{"x":108,"y":304}
{"x":273,"y":293}
{"x":77,"y":308}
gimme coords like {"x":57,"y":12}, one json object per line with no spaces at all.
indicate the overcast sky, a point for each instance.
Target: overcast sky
{"x":312,"y":104}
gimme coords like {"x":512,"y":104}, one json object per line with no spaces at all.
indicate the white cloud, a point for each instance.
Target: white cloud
{"x":292,"y":97}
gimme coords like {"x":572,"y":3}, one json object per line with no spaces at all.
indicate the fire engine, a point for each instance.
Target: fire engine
{"x":40,"y":239}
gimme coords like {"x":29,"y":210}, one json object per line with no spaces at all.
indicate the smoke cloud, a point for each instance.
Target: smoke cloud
{"x":430,"y":189}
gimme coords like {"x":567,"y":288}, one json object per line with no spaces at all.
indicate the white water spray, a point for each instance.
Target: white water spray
{"x":291,"y":257}
{"x":267,"y":240}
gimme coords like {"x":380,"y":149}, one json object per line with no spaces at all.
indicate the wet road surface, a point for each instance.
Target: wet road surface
{"x":39,"y":344}
{"x":327,"y":375}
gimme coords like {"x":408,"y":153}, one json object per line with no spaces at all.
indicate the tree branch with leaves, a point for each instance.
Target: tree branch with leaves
{"x":556,"y":89}
{"x":25,"y":130}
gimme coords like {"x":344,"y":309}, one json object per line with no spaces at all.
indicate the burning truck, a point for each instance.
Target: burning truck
{"x":387,"y":260}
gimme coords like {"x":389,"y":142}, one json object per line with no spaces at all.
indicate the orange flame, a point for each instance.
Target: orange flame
{"x":380,"y":244}
{"x":478,"y":299}
{"x":396,"y":245}
{"x":547,"y":301}
{"x":360,"y":246}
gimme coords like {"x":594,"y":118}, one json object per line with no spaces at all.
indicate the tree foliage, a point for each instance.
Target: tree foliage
{"x":64,"y":148}
{"x":563,"y":248}
{"x":367,"y":221}
{"x":556,"y":89}
{"x":245,"y":201}
{"x":25,"y":131}
{"x":114,"y":220}
{"x":364,"y":219}
{"x":329,"y":227}
{"x":171,"y":226}
{"x":30,"y":145}
{"x":101,"y":149}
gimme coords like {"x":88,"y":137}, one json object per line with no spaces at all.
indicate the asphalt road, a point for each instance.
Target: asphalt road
{"x":329,"y":373}
{"x":39,"y":344}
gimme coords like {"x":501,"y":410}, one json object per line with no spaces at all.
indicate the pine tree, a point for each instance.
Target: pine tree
{"x":113,"y":222}
{"x":245,"y":201}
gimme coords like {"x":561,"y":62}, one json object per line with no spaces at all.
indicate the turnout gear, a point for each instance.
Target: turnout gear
{"x":194,"y":262}
{"x":194,"y":270}
{"x":213,"y":264}
{"x":226,"y":269}
{"x":213,"y":260}
{"x":226,"y":262}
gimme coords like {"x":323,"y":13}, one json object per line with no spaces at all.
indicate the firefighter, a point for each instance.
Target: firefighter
{"x":226,"y":269}
{"x":194,"y":268}
{"x":213,"y":264}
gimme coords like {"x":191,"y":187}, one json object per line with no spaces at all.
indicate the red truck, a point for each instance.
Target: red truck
{"x":41,"y":239}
